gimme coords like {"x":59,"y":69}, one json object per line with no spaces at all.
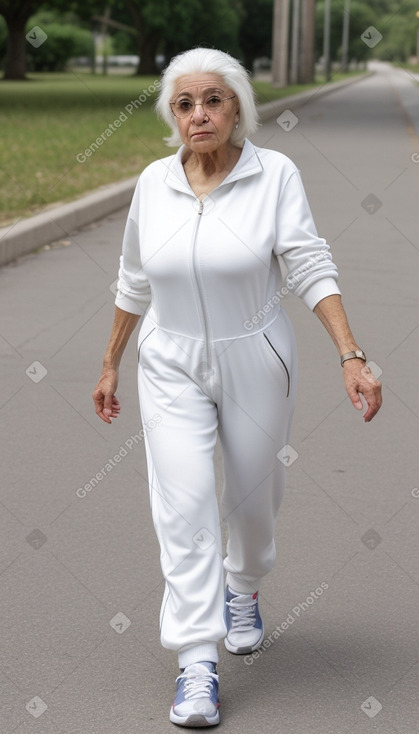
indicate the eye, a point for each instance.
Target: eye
{"x":184,"y":104}
{"x":213,"y":101}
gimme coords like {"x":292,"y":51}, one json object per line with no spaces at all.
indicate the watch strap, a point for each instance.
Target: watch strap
{"x":357,"y":354}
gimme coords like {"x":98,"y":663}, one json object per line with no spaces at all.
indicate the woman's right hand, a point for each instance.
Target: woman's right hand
{"x":107,"y":405}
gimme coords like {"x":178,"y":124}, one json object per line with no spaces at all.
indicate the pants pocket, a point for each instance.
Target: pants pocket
{"x":279,"y":360}
{"x":143,"y":340}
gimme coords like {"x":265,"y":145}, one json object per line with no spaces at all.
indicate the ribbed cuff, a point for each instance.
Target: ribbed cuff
{"x":197,"y":653}
{"x":318,"y":290}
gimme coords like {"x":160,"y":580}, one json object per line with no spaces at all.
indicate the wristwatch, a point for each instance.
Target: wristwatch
{"x":357,"y":354}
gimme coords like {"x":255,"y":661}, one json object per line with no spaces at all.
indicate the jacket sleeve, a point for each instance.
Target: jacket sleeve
{"x":311,"y":273}
{"x":134,"y":294}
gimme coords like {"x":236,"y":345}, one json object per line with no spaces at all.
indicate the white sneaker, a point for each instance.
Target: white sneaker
{"x":196,"y":702}
{"x":244,"y":625}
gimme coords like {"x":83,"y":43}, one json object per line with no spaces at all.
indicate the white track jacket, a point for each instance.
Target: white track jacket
{"x":211,"y":268}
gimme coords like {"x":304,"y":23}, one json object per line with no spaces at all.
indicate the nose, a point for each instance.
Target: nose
{"x":199,"y":113}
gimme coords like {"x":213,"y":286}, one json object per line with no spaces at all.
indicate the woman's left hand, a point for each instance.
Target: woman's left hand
{"x":359,"y":380}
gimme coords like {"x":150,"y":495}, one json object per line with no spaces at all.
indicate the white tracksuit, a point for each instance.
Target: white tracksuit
{"x":217,"y":353}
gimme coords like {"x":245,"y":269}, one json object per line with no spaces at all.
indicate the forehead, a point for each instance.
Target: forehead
{"x":196,"y":83}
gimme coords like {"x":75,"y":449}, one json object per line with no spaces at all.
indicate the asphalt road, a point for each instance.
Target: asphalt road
{"x":80,"y":581}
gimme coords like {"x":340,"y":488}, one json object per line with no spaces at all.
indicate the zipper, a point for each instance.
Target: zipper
{"x":281,"y":360}
{"x":207,"y":356}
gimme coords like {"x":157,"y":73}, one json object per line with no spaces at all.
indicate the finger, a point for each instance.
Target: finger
{"x":374,"y":403}
{"x":108,"y":404}
{"x":101,"y":414}
{"x":112,"y":412}
{"x":100,"y":411}
{"x":370,"y":413}
{"x":354,"y":397}
{"x":116,"y":405}
{"x":104,"y":418}
{"x":98,"y":399}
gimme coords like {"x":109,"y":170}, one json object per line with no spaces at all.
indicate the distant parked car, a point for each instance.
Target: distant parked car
{"x":262,"y":64}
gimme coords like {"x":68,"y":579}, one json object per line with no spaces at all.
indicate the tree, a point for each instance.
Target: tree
{"x":171,"y":26}
{"x":399,"y":37}
{"x":361,"y":18}
{"x":149,"y":20}
{"x":16,"y":14}
{"x":256,"y":30}
{"x":199,"y":23}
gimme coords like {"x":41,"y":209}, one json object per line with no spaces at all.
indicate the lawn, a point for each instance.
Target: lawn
{"x":49,"y":122}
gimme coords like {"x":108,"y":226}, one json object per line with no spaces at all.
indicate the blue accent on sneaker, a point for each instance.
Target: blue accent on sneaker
{"x":245,"y":630}
{"x":196,"y":701}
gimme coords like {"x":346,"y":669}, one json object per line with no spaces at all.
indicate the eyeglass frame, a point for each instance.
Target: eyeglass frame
{"x":198,"y":103}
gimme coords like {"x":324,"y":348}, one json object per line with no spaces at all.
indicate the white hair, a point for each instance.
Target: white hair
{"x":202,"y":61}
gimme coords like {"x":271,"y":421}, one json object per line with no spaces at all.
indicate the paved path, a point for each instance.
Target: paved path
{"x":80,"y":582}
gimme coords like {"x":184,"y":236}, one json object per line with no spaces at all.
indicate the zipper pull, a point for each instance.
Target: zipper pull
{"x":201,"y":207}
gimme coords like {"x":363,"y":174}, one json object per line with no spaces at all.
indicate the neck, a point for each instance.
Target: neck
{"x":216,"y":161}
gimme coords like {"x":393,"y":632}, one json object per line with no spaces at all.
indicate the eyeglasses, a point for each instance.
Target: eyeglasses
{"x":214,"y":104}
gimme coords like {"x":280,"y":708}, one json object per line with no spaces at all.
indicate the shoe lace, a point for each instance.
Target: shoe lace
{"x":242,"y":615}
{"x":197,"y":686}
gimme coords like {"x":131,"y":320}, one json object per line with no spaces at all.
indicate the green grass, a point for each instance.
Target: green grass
{"x":47,"y":121}
{"x":50,"y":119}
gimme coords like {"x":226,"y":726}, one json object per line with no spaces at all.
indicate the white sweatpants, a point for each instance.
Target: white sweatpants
{"x":248,"y":397}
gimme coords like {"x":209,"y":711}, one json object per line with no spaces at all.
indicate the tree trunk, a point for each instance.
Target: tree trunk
{"x":280,"y":43}
{"x":15,"y":60}
{"x":306,"y":60}
{"x":147,"y":52}
{"x":148,"y":39}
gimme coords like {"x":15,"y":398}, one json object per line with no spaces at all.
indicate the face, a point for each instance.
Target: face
{"x":205,"y":131}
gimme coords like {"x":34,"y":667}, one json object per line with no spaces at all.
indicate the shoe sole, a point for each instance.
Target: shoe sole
{"x":244,"y":650}
{"x":195,"y":720}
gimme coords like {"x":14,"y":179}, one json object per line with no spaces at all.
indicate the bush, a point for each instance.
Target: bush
{"x":63,"y":42}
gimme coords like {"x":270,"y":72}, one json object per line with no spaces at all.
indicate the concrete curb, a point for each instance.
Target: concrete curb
{"x":57,"y":222}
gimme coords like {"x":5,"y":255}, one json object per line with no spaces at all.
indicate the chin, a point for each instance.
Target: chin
{"x":205,"y":144}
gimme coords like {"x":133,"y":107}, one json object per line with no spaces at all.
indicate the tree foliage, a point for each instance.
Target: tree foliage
{"x":396,"y":22}
{"x":199,"y":23}
{"x":241,"y":27}
{"x":170,"y":26}
{"x":65,"y":41}
{"x":361,"y":17}
{"x":398,"y":26}
{"x":255,"y":35}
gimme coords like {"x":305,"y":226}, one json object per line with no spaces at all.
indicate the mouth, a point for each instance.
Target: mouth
{"x":197,"y":135}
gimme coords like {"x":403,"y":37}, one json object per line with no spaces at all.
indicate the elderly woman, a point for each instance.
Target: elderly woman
{"x":205,"y":235}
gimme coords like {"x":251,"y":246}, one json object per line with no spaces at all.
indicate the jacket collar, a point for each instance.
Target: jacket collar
{"x":248,"y":164}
